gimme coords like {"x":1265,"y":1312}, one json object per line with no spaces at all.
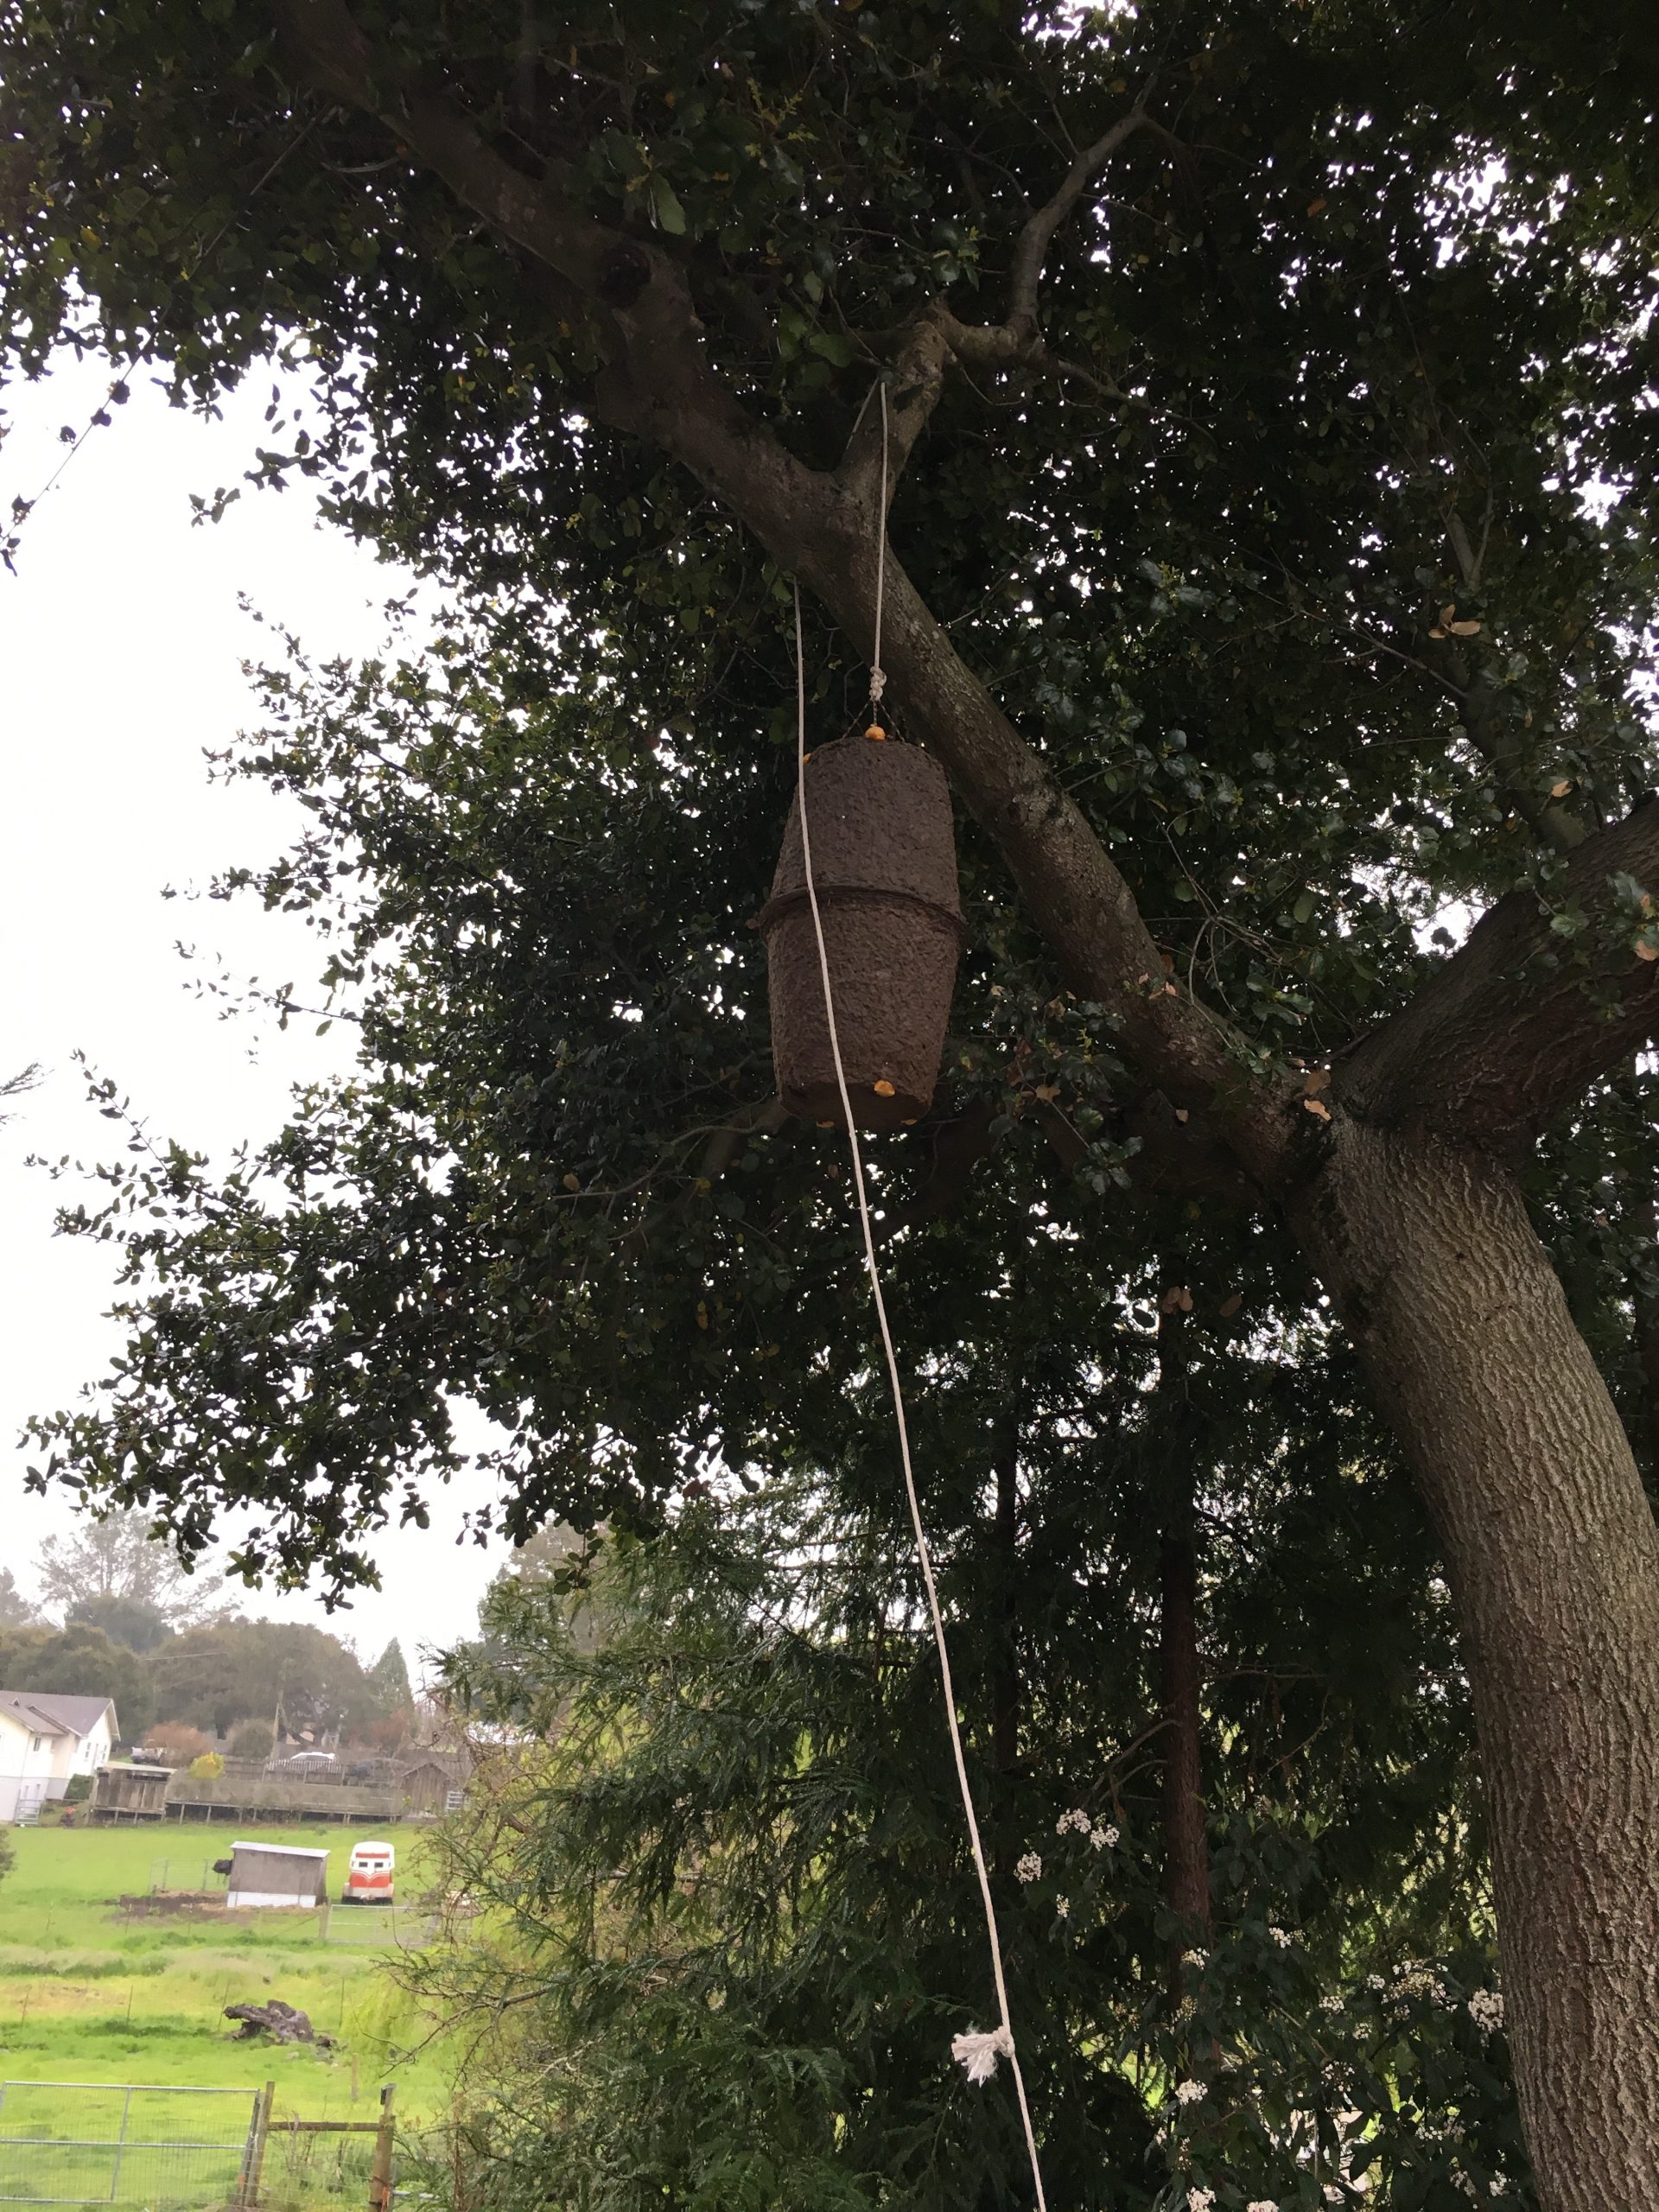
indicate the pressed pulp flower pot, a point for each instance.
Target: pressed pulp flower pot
{"x":884,"y":863}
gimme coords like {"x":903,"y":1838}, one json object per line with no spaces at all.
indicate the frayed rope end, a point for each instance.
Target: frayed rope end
{"x":977,"y":2054}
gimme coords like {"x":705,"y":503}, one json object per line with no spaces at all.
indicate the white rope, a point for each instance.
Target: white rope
{"x":977,"y":2052}
{"x":878,"y":674}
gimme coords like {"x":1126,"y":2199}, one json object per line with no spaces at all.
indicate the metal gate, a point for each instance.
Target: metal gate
{"x":168,"y":2149}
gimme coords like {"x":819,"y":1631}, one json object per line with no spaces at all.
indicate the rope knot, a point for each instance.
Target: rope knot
{"x":977,"y":2052}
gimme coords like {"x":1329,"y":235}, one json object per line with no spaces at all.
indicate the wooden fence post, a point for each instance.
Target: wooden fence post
{"x":380,"y":2179}
{"x":247,"y":2193}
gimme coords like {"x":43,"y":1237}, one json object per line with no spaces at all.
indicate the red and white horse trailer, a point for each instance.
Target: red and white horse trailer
{"x":368,"y":1876}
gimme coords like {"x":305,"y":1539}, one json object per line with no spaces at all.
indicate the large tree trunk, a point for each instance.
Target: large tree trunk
{"x":1552,"y":1552}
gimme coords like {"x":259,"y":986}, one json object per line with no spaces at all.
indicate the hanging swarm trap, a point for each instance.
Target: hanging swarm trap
{"x":885,"y":865}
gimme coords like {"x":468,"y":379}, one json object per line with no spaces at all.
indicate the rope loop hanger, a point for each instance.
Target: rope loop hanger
{"x":978,"y":2050}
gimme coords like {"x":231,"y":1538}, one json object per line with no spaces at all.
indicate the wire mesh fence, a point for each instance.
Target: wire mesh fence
{"x":321,"y":2165}
{"x":377,"y":1927}
{"x":313,"y":2169}
{"x":167,"y":2149}
{"x":175,"y":1873}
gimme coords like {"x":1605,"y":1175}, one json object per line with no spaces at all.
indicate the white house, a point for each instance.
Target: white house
{"x":45,"y":1738}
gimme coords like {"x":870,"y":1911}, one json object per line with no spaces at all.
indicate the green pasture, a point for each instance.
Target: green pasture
{"x":87,"y":1995}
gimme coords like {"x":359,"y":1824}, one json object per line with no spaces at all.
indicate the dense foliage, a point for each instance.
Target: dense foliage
{"x":211,"y":1676}
{"x":15,"y":1608}
{"x":1304,"y":525}
{"x":729,"y":1929}
{"x":1306,"y":598}
{"x":80,"y":1661}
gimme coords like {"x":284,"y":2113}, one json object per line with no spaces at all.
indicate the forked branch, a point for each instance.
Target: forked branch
{"x":1031,"y":254}
{"x":1524,"y":1019}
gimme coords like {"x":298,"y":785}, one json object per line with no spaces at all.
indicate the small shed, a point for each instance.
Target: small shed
{"x":276,"y":1874}
{"x":129,"y":1793}
{"x":427,"y":1784}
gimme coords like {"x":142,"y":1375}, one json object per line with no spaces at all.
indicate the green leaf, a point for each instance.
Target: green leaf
{"x":665,"y":205}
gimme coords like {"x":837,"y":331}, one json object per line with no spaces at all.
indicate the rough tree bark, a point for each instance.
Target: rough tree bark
{"x":1552,"y":1552}
{"x":1401,"y":1203}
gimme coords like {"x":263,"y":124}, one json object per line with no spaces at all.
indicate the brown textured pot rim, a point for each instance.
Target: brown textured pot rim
{"x":789,"y":902}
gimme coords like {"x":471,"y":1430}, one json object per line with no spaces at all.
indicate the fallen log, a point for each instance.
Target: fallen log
{"x":286,"y":2022}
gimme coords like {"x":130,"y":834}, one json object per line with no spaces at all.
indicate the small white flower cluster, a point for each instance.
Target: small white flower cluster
{"x":1331,"y":2004}
{"x":1189,"y":2092}
{"x":1486,"y":2010}
{"x":1374,"y":1981}
{"x":1063,"y":1906}
{"x":1262,"y":2204}
{"x":1199,"y":2200}
{"x":1281,"y":1936}
{"x":1497,"y":2187}
{"x":1194,"y":1958}
{"x":1420,"y":1981}
{"x":1030,"y":1868}
{"x":1077,"y":1822}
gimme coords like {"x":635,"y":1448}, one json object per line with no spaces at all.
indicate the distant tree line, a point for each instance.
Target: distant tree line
{"x":134,"y":1625}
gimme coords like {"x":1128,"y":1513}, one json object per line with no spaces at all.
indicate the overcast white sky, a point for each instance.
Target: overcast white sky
{"x":121,"y":644}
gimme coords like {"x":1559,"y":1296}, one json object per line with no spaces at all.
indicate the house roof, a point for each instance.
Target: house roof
{"x":279,"y":1850}
{"x":50,"y":1714}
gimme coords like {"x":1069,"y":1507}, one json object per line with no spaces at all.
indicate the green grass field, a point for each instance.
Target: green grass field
{"x":88,"y":1996}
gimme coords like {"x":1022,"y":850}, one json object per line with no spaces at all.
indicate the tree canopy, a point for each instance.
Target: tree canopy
{"x":215,"y":1676}
{"x":1319,"y":603}
{"x":1265,"y":401}
{"x":120,"y":1566}
{"x":388,"y":1680}
{"x":80,"y":1661}
{"x":16,"y":1610}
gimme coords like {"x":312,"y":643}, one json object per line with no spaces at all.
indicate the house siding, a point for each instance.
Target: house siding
{"x":25,"y":1767}
{"x":45,"y":1740}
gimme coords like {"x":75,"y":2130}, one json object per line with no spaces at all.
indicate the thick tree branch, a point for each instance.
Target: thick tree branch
{"x":1523,"y":1020}
{"x":1072,"y":889}
{"x":913,"y":390}
{"x":661,"y":385}
{"x":1553,"y":820}
{"x":632,"y":284}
